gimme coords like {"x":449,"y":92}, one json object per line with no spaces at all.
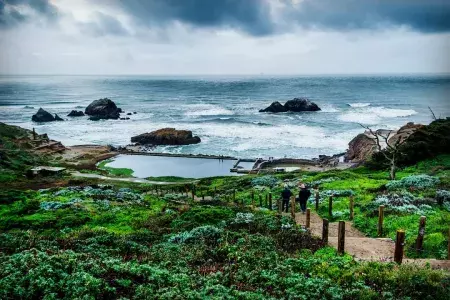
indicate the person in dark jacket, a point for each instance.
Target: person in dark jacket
{"x":303,"y":197}
{"x":285,"y":195}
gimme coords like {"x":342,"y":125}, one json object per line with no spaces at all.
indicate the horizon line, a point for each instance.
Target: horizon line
{"x":243,"y":74}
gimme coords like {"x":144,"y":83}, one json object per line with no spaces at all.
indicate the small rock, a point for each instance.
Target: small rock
{"x":42,"y":116}
{"x":129,"y":114}
{"x":275,"y":107}
{"x":58,"y":118}
{"x":76,"y":113}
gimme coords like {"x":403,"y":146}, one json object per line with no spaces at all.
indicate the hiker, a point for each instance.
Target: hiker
{"x":285,"y":195}
{"x":303,"y":196}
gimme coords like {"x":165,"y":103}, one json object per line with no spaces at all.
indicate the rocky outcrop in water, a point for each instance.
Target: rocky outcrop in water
{"x":166,"y":136}
{"x":294,"y":105}
{"x":103,"y":109}
{"x":76,"y":113}
{"x":43,"y":116}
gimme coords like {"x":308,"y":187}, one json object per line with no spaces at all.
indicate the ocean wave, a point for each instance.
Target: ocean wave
{"x":328,"y":108}
{"x":198,"y":110}
{"x":374,"y":115}
{"x":228,"y":120}
{"x":357,"y":105}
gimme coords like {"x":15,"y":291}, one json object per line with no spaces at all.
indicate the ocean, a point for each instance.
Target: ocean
{"x":223,"y":110}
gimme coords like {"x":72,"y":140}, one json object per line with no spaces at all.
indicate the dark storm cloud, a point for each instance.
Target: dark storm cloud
{"x":11,"y":15}
{"x":249,"y":16}
{"x":253,"y":16}
{"x":103,"y":25}
{"x":419,"y":15}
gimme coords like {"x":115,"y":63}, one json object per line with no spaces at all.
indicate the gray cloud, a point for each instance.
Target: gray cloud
{"x":103,"y":25}
{"x":249,"y":16}
{"x":11,"y":16}
{"x":254,"y":18}
{"x":420,"y":15}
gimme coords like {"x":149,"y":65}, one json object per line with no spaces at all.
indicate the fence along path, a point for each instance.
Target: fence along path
{"x":361,"y":247}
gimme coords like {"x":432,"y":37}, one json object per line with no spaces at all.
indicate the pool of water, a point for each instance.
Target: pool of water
{"x":156,"y":166}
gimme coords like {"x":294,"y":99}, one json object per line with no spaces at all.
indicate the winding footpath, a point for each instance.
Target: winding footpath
{"x":364,"y":248}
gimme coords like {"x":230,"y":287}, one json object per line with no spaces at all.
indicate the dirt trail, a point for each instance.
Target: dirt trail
{"x":361,"y":247}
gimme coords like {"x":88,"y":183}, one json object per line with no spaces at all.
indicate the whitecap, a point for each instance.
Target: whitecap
{"x":359,"y":104}
{"x":374,"y":115}
{"x":328,"y":108}
{"x":197,"y":110}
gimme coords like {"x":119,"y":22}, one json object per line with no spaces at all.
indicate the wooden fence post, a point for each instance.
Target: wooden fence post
{"x":234,"y":195}
{"x":341,"y":237}
{"x":399,"y":244}
{"x":270,"y":200}
{"x":330,"y":207}
{"x":448,"y":250}
{"x":380,"y":219}
{"x":193,"y":194}
{"x":260,"y":201}
{"x":421,"y":234}
{"x":203,"y":195}
{"x":317,"y":200}
{"x":308,"y":217}
{"x":351,"y":208}
{"x":215,"y":192}
{"x":293,"y":208}
{"x":253,"y":198}
{"x":325,"y":231}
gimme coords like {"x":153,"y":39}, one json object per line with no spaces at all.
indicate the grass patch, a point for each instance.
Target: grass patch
{"x":118,"y":172}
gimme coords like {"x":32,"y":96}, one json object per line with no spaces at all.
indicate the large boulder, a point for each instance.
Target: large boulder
{"x":42,"y":116}
{"x":300,"y":104}
{"x":275,"y":107}
{"x":166,"y":136}
{"x":76,"y":113}
{"x":294,"y":105}
{"x":103,"y":109}
{"x":360,"y":148}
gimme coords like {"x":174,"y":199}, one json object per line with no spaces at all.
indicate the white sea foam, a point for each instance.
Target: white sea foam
{"x":358,"y":104}
{"x":374,"y":115}
{"x":328,"y":108}
{"x":197,"y":110}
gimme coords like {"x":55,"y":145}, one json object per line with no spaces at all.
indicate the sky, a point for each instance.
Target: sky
{"x":183,"y":37}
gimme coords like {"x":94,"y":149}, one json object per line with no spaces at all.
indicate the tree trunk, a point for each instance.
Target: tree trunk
{"x":393,"y":169}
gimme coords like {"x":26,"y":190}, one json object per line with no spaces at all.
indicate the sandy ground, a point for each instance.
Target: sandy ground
{"x":85,"y":156}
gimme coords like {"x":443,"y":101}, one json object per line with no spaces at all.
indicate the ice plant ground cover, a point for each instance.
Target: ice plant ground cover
{"x":121,"y":240}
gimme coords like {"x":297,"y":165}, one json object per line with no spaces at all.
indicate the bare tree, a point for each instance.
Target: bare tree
{"x":432,"y":114}
{"x":392,"y":151}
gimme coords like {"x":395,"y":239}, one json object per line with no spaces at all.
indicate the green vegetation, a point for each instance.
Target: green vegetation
{"x":108,"y":242}
{"x":119,"y":172}
{"x":124,"y":240}
{"x":170,"y":179}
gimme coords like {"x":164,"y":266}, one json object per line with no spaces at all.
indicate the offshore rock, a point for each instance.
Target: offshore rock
{"x":166,"y":136}
{"x":76,"y":113}
{"x":42,"y":116}
{"x":103,"y":109}
{"x":294,"y":105}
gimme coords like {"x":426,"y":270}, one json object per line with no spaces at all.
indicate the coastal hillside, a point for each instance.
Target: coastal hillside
{"x":223,"y":237}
